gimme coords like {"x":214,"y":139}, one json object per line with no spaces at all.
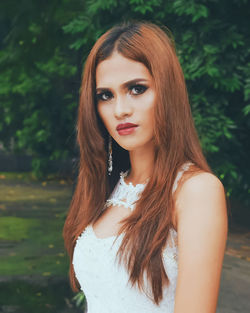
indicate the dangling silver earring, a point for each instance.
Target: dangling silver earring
{"x":110,"y":162}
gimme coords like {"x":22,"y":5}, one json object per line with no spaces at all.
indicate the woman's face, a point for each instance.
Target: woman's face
{"x":125,"y":100}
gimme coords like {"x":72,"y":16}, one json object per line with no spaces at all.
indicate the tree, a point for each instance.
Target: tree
{"x":39,"y":81}
{"x":45,"y":46}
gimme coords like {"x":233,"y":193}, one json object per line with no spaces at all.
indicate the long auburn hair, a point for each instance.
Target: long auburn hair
{"x":147,"y":227}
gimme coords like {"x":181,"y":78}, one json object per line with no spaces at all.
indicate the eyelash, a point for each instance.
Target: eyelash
{"x":142,"y":89}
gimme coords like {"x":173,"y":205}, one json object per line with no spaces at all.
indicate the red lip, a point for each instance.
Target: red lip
{"x":125,"y":125}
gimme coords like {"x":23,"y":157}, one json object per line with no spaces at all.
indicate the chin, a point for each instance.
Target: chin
{"x":127,"y":146}
{"x":133,"y":146}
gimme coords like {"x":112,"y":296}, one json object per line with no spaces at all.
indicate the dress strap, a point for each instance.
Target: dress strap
{"x":183,"y":168}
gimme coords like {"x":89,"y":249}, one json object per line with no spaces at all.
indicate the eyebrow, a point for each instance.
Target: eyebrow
{"x":126,"y":84}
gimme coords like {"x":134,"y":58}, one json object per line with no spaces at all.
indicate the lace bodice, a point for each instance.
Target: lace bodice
{"x":125,"y":191}
{"x":105,"y":282}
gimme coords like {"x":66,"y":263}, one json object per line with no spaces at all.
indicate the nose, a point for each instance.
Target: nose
{"x":122,"y":108}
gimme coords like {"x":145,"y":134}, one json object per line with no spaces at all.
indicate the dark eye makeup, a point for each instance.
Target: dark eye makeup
{"x":134,"y":89}
{"x":137,"y":89}
{"x":104,"y":96}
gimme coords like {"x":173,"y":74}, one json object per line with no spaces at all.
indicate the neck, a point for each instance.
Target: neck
{"x":142,"y":160}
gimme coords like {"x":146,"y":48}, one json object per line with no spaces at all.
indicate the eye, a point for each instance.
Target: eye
{"x":138,"y":89}
{"x":104,"y":96}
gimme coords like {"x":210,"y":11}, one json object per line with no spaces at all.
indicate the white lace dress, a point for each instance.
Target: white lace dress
{"x":105,"y":282}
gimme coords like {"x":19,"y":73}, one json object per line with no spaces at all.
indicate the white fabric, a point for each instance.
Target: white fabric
{"x":105,"y":282}
{"x":122,"y":191}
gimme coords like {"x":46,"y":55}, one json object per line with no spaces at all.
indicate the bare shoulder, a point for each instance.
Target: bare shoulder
{"x":201,"y":222}
{"x":201,"y":196}
{"x":202,"y":184}
{"x":203,"y":179}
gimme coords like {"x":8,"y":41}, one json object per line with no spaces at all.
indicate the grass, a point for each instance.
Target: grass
{"x":32,"y":215}
{"x":32,"y":247}
{"x":24,"y":297}
{"x":16,"y":228}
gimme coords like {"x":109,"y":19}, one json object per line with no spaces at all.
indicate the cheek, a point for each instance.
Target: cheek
{"x":147,"y":110}
{"x":105,"y":115}
{"x":102,"y":112}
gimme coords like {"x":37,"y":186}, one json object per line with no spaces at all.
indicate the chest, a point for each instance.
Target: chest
{"x":110,"y":222}
{"x":96,"y":264}
{"x":119,"y":206}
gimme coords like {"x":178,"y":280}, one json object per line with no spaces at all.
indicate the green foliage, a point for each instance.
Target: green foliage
{"x":16,"y":228}
{"x":36,"y":296}
{"x":80,"y":300}
{"x":37,"y":83}
{"x":45,"y":45}
{"x":32,"y":215}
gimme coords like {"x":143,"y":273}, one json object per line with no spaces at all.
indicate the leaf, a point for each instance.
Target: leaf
{"x":46,"y":273}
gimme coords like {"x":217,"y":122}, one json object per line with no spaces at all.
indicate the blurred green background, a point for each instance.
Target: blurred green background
{"x":43,"y":47}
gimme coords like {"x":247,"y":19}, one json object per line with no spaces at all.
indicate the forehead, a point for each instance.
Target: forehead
{"x":117,"y":69}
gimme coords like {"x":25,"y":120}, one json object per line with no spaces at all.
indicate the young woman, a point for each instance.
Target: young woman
{"x":147,"y":226}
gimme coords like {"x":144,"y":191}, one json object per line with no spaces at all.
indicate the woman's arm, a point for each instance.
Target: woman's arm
{"x":201,"y":215}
